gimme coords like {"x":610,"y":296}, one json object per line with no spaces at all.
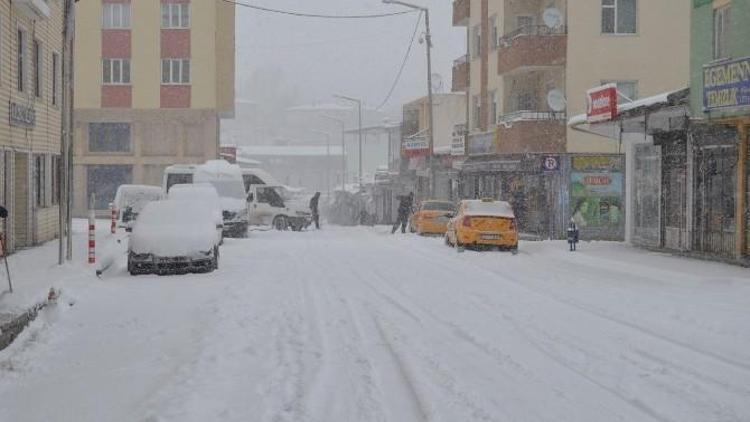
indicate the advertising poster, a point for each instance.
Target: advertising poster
{"x":596,"y":190}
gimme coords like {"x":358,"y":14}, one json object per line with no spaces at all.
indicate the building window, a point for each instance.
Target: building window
{"x":175,"y":15}
{"x":115,"y":15}
{"x":37,"y":65}
{"x":721,"y":33}
{"x":109,"y":137}
{"x":525,"y":101}
{"x":55,"y":71}
{"x":627,"y":90}
{"x":175,"y":71}
{"x":495,"y":32}
{"x":524,"y":24}
{"x":40,"y":177}
{"x":477,"y":41}
{"x":116,"y":71}
{"x":56,"y":178}
{"x":103,"y":181}
{"x":619,"y":16}
{"x":476,"y":112}
{"x":21,"y":60}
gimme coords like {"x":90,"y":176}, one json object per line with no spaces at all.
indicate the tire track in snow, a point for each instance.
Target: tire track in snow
{"x":636,"y":403}
{"x":505,"y":276}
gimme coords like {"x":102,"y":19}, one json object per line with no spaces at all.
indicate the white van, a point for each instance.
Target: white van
{"x":257,"y":176}
{"x":226,"y":178}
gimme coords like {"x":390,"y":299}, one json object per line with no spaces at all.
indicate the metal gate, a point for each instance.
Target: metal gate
{"x":715,"y":199}
{"x":674,"y":180}
{"x":646,"y":195}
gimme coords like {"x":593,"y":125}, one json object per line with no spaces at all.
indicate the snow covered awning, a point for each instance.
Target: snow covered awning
{"x":664,"y":112}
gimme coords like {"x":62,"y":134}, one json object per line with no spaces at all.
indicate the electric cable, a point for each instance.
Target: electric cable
{"x":315,"y":15}
{"x":403,"y":64}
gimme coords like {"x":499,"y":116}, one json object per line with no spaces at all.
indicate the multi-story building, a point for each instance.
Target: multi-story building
{"x":625,"y":42}
{"x":30,"y":100}
{"x":148,"y":98}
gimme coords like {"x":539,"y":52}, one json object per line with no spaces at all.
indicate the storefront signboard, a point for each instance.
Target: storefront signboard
{"x":416,"y":146}
{"x":596,"y":190}
{"x":726,"y":84}
{"x":601,"y":103}
{"x":22,"y":116}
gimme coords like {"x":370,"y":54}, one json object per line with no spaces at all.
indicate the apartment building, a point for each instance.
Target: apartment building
{"x":642,"y":46}
{"x":148,"y":98}
{"x":30,"y":101}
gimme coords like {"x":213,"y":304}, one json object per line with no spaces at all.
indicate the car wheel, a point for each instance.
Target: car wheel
{"x":216,"y":258}
{"x":131,"y":267}
{"x":280,"y":223}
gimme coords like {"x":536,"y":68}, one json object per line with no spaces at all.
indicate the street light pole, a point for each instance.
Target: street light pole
{"x":328,"y":160}
{"x":359,"y":131}
{"x":431,"y":123}
{"x":343,"y":148}
{"x":66,"y":151}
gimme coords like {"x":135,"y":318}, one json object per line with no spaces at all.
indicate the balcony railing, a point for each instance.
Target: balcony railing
{"x":461,"y":12}
{"x":532,"y":31}
{"x":529,"y":115}
{"x":532,"y":46}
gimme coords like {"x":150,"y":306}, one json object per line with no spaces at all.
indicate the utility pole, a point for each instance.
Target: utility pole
{"x":343,"y":148}
{"x":431,"y":125}
{"x":359,"y":131}
{"x":328,"y":160}
{"x":65,"y":218}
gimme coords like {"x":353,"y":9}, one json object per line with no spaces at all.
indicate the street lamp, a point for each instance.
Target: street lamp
{"x":428,"y":44}
{"x":343,"y":147}
{"x":359,"y":107}
{"x":328,"y":160}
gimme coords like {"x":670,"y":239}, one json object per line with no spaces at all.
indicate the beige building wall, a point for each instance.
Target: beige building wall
{"x":449,"y":110}
{"x":657,"y":57}
{"x":159,"y":136}
{"x":31,"y":221}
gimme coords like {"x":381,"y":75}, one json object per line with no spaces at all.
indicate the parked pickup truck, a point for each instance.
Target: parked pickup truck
{"x":266,"y":207}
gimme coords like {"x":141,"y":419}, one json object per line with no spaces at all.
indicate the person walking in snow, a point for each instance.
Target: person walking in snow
{"x":404,"y":210}
{"x":314,"y":202}
{"x":573,"y":234}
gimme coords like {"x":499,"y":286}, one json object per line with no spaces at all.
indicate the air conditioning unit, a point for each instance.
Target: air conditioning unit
{"x":33,"y":9}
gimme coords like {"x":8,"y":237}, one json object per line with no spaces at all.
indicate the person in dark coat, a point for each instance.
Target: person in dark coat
{"x":314,"y":209}
{"x":3,"y":212}
{"x":404,"y":211}
{"x":573,"y":234}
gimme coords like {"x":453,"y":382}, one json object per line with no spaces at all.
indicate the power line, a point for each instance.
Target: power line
{"x":315,"y":15}
{"x":403,"y":64}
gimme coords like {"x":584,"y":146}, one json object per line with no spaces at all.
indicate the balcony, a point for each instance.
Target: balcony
{"x":531,"y":47}
{"x":461,"y":12}
{"x":33,"y":9}
{"x":460,"y":80}
{"x":531,"y":132}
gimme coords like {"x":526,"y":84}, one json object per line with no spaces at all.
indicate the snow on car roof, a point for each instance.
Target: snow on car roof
{"x":218,"y":169}
{"x":129,"y":195}
{"x":488,"y":208}
{"x":193,"y":191}
{"x":170,"y":228}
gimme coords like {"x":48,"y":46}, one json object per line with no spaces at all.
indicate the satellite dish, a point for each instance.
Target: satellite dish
{"x":556,"y":100}
{"x":553,"y":18}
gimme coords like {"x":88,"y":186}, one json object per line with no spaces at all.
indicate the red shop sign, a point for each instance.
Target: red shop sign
{"x":602,"y":103}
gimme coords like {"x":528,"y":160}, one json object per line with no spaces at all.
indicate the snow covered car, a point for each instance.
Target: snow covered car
{"x":483,"y":223}
{"x":170,"y":238}
{"x":130,"y":200}
{"x":201,"y":193}
{"x":432,"y":217}
{"x":226,"y":179}
{"x":266,"y":206}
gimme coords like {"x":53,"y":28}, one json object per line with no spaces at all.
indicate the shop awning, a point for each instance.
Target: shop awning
{"x":664,"y":112}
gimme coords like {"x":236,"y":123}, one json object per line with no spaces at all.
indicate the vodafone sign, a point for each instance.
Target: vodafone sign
{"x":602,"y":103}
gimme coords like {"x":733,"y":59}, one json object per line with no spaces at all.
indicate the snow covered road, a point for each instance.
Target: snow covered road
{"x":353,"y":324}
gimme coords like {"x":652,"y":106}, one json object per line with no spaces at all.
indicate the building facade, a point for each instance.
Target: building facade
{"x":149,"y":98}
{"x":30,"y":100}
{"x":720,"y":106}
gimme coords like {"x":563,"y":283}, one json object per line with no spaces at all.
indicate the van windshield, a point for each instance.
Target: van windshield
{"x":229,"y":189}
{"x":179,"y":179}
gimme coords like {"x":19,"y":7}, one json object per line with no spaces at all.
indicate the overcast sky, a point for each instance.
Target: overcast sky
{"x":360,"y":58}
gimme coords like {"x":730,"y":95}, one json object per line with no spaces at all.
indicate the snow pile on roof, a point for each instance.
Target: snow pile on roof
{"x":479,"y":208}
{"x":217,"y":169}
{"x":291,"y":150}
{"x":136,"y":196}
{"x":204,"y":194}
{"x":662,"y":98}
{"x":172,"y":229}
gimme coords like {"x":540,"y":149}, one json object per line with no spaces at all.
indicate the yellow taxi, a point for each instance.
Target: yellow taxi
{"x":432,"y":217}
{"x":483,"y":223}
